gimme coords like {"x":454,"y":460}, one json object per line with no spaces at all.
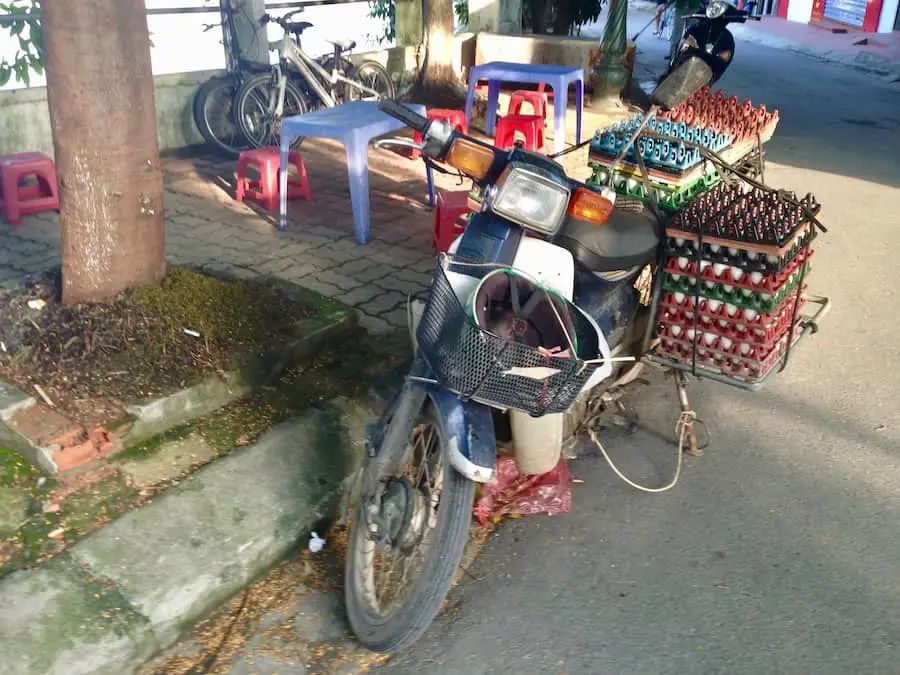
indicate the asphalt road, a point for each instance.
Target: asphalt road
{"x":779,"y":550}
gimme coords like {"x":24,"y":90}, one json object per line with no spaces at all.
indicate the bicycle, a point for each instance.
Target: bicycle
{"x":297,"y":79}
{"x":213,"y":104}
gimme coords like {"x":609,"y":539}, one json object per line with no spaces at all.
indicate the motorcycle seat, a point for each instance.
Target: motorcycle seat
{"x":344,"y":45}
{"x":624,"y":241}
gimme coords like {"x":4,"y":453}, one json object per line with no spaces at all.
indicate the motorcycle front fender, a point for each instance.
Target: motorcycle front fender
{"x":471,"y":443}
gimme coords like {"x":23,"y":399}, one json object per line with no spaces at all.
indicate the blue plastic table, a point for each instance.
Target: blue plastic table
{"x":557,"y":78}
{"x":353,"y":124}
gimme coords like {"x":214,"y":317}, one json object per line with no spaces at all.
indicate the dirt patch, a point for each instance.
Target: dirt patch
{"x":91,"y":359}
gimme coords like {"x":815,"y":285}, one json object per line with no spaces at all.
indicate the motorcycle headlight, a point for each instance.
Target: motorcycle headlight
{"x":716,"y":9}
{"x":530,"y":199}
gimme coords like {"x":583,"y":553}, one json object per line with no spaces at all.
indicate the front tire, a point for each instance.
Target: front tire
{"x":386,"y":624}
{"x":255,"y":109}
{"x":372,"y":75}
{"x":214,"y":114}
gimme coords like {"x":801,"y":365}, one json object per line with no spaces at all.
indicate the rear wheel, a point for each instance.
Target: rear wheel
{"x":376,"y":80}
{"x":214,"y":114}
{"x":256,"y":105}
{"x":407,"y":538}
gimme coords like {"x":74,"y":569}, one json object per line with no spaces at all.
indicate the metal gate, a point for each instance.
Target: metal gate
{"x":851,"y":12}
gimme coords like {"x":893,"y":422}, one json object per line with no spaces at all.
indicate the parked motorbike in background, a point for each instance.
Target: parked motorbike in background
{"x":707,"y":36}
{"x":549,"y":296}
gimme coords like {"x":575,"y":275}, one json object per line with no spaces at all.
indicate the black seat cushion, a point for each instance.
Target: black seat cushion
{"x":297,"y":27}
{"x":625,"y":240}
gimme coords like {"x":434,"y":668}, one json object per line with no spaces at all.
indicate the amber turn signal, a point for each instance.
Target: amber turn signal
{"x":590,"y":206}
{"x":471,"y":158}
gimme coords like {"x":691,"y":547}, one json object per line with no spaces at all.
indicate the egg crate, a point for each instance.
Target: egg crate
{"x":736,"y":277}
{"x":670,"y":197}
{"x":675,"y":156}
{"x":730,"y":321}
{"x":727,"y":253}
{"x":765,"y":303}
{"x":741,"y":120}
{"x":734,"y":156}
{"x":751,"y":369}
{"x":734,"y":213}
{"x":687,"y":332}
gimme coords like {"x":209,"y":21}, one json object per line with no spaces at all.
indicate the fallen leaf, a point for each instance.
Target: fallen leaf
{"x":57,"y":533}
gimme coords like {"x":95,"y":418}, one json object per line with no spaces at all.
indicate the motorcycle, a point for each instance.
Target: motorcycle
{"x":535,"y":308}
{"x":708,"y":37}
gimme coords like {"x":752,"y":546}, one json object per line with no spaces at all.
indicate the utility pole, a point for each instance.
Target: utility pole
{"x":609,"y":76}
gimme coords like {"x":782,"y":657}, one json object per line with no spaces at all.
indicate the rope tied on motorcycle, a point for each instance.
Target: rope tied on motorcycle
{"x":684,"y":429}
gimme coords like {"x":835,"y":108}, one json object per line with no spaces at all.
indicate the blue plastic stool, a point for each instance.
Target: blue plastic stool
{"x":353,"y":124}
{"x":557,"y":78}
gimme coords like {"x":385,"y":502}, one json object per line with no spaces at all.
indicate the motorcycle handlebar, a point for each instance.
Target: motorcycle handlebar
{"x":409,"y":117}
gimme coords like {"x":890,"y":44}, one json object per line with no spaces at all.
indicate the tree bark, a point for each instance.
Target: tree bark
{"x":103,"y":118}
{"x":563,"y":17}
{"x":540,"y":14}
{"x":437,"y":80}
{"x":252,"y":38}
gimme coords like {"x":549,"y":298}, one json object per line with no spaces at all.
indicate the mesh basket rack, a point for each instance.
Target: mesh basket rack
{"x":480,"y":366}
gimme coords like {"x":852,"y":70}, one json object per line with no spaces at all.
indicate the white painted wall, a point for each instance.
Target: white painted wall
{"x":800,"y":10}
{"x":181,"y":46}
{"x":888,"y":14}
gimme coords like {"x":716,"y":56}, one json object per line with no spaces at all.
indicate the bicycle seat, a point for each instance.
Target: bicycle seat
{"x":297,"y":27}
{"x":343,"y":45}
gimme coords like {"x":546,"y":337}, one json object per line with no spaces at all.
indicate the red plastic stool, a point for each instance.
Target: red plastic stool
{"x":456,"y":118}
{"x":19,"y":201}
{"x":450,"y":207}
{"x":267,"y":161}
{"x":537,"y":100}
{"x":530,"y":126}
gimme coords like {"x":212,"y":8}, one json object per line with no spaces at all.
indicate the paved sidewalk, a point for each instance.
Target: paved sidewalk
{"x":878,"y":53}
{"x":206,"y":226}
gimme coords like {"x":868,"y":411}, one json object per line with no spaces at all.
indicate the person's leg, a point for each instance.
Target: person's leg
{"x":658,"y":17}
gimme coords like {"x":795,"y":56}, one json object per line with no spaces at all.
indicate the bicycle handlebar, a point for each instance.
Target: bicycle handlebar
{"x":281,"y":21}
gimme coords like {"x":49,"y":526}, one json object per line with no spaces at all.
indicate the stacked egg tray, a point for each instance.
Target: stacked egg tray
{"x":733,"y":129}
{"x":673,"y":197}
{"x":734,"y":281}
{"x":670,"y":156}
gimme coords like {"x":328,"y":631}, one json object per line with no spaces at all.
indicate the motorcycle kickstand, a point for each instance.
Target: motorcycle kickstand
{"x":687,"y":418}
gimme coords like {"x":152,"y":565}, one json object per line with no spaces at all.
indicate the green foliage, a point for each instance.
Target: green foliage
{"x":386,"y":10}
{"x":29,"y":54}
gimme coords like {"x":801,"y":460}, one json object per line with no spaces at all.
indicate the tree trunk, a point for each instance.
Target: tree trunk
{"x":437,"y":81}
{"x":563,"y":17}
{"x":103,"y":117}
{"x":540,"y":13}
{"x":252,"y":38}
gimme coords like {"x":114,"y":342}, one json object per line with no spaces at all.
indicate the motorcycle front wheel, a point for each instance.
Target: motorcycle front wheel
{"x":407,"y":539}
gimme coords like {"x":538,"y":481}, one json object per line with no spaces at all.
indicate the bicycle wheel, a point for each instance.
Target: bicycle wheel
{"x":373,"y":76}
{"x":213,"y":112}
{"x":256,"y":103}
{"x":407,"y":539}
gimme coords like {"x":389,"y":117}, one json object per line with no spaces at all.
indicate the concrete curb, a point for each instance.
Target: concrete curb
{"x":130,"y":589}
{"x":154,"y":417}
